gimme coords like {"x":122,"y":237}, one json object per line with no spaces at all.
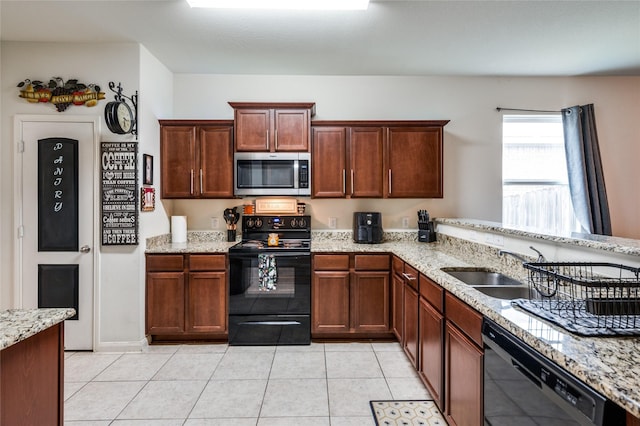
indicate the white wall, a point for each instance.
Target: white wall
{"x":472,"y":145}
{"x":120,"y":290}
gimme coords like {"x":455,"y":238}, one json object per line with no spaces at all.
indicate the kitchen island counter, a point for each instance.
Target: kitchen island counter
{"x":32,"y":366}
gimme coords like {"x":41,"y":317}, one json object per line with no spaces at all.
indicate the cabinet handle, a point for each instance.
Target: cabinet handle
{"x":352,"y":187}
{"x":267,"y":139}
{"x":408,"y":277}
{"x":389,"y":181}
{"x":344,"y":181}
{"x":201,"y":186}
{"x":276,"y":138}
{"x":191,"y":181}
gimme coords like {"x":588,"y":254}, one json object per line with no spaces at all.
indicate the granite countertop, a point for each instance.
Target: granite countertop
{"x":607,"y":364}
{"x":17,"y":325}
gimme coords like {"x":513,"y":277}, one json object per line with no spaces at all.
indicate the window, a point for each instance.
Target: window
{"x":535,"y":187}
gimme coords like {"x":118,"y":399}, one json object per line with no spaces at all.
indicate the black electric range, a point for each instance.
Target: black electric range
{"x":270,"y":285}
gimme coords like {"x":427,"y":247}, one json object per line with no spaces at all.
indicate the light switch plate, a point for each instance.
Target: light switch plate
{"x":405,"y":222}
{"x":333,"y":222}
{"x":215,"y":223}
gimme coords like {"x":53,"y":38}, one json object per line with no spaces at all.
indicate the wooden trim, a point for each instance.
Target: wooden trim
{"x":173,"y":122}
{"x":275,"y":105}
{"x":379,"y":123}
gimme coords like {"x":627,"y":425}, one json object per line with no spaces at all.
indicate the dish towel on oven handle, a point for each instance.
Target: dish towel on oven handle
{"x":267,"y":272}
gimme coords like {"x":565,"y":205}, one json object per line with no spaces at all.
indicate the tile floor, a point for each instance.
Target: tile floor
{"x":197,"y":385}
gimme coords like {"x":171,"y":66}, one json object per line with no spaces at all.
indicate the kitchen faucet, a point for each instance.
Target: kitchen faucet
{"x":541,"y":257}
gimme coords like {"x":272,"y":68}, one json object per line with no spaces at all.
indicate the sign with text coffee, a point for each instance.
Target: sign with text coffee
{"x":119,"y":165}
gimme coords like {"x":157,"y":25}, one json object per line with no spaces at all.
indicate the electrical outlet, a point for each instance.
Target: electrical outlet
{"x":405,"y":222}
{"x":215,"y":223}
{"x":333,"y":222}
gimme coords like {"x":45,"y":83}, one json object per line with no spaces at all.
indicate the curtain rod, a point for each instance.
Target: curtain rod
{"x":525,"y":110}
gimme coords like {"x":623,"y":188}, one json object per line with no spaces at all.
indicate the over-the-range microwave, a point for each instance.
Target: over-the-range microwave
{"x":272,"y":173}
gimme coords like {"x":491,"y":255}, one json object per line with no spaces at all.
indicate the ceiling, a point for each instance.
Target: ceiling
{"x":393,"y":37}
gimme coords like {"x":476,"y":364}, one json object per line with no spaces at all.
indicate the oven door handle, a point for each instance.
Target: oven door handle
{"x":271,"y":322}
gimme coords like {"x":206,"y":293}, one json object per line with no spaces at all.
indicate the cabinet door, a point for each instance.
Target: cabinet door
{"x":370,"y":302}
{"x":291,"y":131}
{"x":330,"y":302}
{"x":397,"y":283}
{"x":165,"y":303}
{"x":206,"y":302}
{"x":329,"y":162}
{"x":365,"y":174}
{"x":414,"y":162}
{"x":177,"y":156}
{"x":410,"y":324}
{"x":216,"y":162}
{"x":431,"y":347}
{"x":252,"y":129}
{"x":463,"y":379}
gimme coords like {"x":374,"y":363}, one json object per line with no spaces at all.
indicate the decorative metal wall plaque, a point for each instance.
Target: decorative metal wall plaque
{"x":119,"y":166}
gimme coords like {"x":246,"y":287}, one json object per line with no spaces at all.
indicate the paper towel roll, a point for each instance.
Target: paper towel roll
{"x":178,"y":229}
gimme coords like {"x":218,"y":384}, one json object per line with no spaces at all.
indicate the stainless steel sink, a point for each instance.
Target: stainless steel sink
{"x":505,"y":292}
{"x":490,"y":283}
{"x":481,"y":277}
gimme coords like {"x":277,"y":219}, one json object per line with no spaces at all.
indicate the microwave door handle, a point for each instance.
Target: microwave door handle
{"x":296,"y":172}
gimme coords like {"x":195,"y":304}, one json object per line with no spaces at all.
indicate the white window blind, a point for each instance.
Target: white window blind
{"x":535,"y":188}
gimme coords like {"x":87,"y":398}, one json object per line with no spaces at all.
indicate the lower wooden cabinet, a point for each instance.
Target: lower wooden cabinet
{"x":464,"y":364}
{"x":186,"y":296}
{"x":405,"y":308}
{"x":350,"y":295}
{"x":431,"y":351}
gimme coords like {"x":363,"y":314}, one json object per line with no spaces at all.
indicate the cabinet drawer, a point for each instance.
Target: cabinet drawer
{"x":331,"y":262}
{"x":397,"y":264}
{"x":372,"y":262}
{"x":207,"y":262}
{"x":411,"y":276}
{"x":165,"y":262}
{"x":432,"y":292}
{"x":466,"y":318}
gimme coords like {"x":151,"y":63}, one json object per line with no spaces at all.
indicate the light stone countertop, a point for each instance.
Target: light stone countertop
{"x":607,"y":364}
{"x":17,"y":325}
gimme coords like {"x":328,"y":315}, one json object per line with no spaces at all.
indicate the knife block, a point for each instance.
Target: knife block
{"x":427,"y":235}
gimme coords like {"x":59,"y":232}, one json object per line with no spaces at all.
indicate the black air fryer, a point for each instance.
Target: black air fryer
{"x":367,"y":227}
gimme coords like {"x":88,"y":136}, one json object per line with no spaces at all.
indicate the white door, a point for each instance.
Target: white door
{"x":57,"y":218}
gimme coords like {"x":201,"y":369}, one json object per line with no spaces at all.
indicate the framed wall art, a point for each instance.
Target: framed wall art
{"x":147,"y":199}
{"x":147,"y":164}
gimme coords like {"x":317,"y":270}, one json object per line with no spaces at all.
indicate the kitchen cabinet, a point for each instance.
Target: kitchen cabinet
{"x":377,"y":159}
{"x":405,"y":296}
{"x":355,"y":168}
{"x":350,"y":295}
{"x":414,"y":162}
{"x":464,"y":364}
{"x":271,"y":127}
{"x":186,"y":296}
{"x":431,"y":338}
{"x":196,"y":158}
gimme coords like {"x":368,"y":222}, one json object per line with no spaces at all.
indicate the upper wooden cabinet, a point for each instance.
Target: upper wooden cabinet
{"x":196,"y":158}
{"x":271,"y":127}
{"x":414,"y":162}
{"x":347,"y":162}
{"x":377,"y":159}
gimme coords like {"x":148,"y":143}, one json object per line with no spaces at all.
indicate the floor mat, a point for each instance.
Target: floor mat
{"x":406,"y":413}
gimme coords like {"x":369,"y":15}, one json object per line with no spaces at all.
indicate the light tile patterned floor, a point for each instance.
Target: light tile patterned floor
{"x":218,"y":385}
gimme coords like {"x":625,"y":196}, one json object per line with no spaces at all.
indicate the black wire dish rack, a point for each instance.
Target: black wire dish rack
{"x":585,"y":298}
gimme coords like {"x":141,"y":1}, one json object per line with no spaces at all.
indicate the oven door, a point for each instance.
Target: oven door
{"x":288,"y":292}
{"x":274,"y":309}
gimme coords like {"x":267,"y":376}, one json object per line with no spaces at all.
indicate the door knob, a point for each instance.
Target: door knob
{"x":85,"y":249}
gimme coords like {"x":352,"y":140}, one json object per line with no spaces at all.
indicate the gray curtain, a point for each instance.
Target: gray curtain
{"x":586,"y":180}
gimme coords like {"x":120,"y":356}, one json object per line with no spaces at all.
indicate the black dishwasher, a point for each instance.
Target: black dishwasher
{"x":521,"y":387}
